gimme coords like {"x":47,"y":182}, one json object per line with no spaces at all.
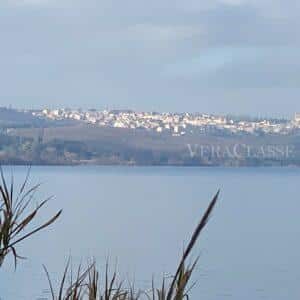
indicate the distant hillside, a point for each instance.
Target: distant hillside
{"x":12,"y":118}
{"x":29,"y":139}
{"x":101,"y":145}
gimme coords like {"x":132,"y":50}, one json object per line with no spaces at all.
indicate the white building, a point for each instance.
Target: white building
{"x":46,"y":111}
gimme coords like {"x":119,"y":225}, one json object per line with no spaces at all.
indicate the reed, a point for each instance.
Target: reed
{"x":17,"y":224}
{"x":87,"y":285}
{"x":18,"y":214}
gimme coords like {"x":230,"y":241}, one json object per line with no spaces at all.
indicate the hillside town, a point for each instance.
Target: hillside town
{"x":172,"y":123}
{"x":123,"y":137}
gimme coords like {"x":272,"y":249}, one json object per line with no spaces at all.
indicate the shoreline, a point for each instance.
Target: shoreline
{"x":155,"y":166}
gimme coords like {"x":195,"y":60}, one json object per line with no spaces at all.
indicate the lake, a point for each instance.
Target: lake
{"x":141,"y":218}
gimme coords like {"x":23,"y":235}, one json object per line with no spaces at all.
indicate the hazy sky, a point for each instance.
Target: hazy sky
{"x":223,"y":56}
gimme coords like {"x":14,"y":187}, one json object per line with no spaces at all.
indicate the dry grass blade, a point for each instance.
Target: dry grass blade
{"x":77,"y":288}
{"x":93,"y":283}
{"x":49,"y":282}
{"x":49,"y":222}
{"x":191,"y":245}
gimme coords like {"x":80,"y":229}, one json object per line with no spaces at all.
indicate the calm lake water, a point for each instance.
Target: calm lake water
{"x":143,"y":216}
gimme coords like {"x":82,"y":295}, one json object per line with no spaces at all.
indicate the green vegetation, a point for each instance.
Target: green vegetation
{"x":113,"y":146}
{"x":15,"y":218}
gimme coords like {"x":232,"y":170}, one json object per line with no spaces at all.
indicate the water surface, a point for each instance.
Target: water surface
{"x":143,"y":216}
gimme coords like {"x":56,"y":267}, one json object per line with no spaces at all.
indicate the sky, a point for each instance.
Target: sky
{"x":212,"y":56}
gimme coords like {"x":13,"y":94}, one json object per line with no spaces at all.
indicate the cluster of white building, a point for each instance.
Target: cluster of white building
{"x":176,"y":124}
